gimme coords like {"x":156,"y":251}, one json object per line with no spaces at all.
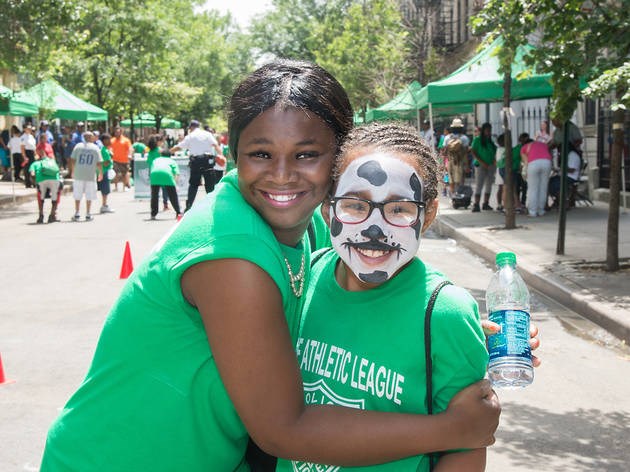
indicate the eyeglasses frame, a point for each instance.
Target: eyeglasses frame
{"x":380,"y":206}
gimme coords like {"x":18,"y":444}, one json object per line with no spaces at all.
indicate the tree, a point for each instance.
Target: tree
{"x":614,"y":81}
{"x":420,"y":25}
{"x":578,"y":38}
{"x":513,"y":21}
{"x":366,"y":51}
{"x":32,"y":30}
{"x":287,"y":29}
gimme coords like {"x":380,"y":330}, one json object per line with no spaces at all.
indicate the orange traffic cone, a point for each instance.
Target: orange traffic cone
{"x":127,"y":264}
{"x":3,"y":379}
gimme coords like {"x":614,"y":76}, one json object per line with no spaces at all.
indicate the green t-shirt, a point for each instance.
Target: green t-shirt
{"x":485,"y":153}
{"x":366,"y":349}
{"x":40,"y":176}
{"x":153,"y":399}
{"x":139,"y":148}
{"x":516,"y":157}
{"x":163,"y":171}
{"x":107,"y":160}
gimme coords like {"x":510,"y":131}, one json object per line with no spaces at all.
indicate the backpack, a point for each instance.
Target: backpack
{"x":455,"y":150}
{"x":49,"y":167}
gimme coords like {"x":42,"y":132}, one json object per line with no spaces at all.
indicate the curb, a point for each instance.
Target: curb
{"x":609,"y":318}
{"x":7,"y":200}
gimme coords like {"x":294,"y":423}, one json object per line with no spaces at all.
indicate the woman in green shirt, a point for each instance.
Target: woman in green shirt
{"x":484,"y":151}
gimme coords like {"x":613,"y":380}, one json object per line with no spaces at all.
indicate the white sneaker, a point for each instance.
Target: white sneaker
{"x":76,"y":217}
{"x":107,"y":209}
{"x":88,"y":217}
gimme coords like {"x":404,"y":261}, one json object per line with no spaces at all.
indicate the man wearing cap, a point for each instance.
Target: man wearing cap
{"x":121,"y":151}
{"x":203,"y":147}
{"x":44,"y":129}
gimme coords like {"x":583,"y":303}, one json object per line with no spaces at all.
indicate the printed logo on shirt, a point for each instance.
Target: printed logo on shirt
{"x":343,"y":366}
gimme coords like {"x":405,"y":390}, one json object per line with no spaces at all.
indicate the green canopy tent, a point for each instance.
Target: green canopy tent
{"x":16,"y":103}
{"x":49,"y":95}
{"x":147,"y":120}
{"x":479,"y":81}
{"x":406,"y":106}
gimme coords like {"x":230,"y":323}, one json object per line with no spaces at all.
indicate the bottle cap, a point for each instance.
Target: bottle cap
{"x":503,"y":258}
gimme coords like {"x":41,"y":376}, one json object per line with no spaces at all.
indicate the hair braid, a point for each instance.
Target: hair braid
{"x":393,"y":137}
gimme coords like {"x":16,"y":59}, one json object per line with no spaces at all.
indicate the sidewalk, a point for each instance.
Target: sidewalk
{"x":577,"y":279}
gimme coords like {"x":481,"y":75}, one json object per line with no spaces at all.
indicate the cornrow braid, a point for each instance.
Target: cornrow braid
{"x":393,"y":137}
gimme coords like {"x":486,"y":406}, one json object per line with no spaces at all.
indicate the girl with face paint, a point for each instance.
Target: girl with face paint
{"x":361,"y":340}
{"x":188,"y":366}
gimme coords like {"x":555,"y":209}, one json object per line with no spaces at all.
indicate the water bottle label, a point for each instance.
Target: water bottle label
{"x":513,"y":339}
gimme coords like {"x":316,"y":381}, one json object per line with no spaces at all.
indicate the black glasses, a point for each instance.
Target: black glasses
{"x":354,"y":210}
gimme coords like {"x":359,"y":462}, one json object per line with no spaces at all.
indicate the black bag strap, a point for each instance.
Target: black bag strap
{"x":311,"y":236}
{"x":427,"y":356}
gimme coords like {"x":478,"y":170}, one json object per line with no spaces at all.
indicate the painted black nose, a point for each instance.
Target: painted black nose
{"x":373,"y":232}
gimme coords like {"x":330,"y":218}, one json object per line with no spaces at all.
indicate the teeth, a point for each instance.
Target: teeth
{"x":282,"y":198}
{"x":372,"y":252}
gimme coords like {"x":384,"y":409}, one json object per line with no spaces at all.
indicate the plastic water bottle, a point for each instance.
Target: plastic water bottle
{"x":507,"y":301}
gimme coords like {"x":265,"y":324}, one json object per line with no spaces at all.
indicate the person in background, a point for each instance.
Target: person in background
{"x":5,"y":155}
{"x":538,"y":158}
{"x":574,"y":166}
{"x":203,"y":148}
{"x":455,"y":151}
{"x":28,"y":145}
{"x":44,"y":148}
{"x":121,"y":153}
{"x":500,"y":160}
{"x":45,"y":171}
{"x":44,"y":128}
{"x":163,"y":173}
{"x":428,"y":134}
{"x":97,"y":138}
{"x":103,"y":185}
{"x":87,"y":165}
{"x":75,"y":138}
{"x":15,"y":149}
{"x":484,"y":151}
{"x":542,"y":135}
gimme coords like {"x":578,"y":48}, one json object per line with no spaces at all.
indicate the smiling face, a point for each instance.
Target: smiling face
{"x":285,"y":157}
{"x":375,"y":250}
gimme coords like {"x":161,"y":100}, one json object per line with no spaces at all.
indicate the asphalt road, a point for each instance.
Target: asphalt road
{"x":59,"y":281}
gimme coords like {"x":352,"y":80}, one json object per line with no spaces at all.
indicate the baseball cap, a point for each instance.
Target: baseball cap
{"x":80,"y":123}
{"x":193,"y":124}
{"x":44,"y":123}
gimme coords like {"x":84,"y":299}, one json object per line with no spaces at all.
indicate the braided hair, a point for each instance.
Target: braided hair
{"x":393,"y":137}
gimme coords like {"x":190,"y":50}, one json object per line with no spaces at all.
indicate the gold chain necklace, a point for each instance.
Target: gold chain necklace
{"x":296,"y":281}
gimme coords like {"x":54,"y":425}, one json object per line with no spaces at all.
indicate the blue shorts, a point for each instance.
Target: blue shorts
{"x":103,"y":186}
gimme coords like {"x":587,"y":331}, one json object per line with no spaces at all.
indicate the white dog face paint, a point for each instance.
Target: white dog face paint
{"x":375,"y":250}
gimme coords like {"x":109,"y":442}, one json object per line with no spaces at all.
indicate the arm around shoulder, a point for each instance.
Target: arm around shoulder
{"x":250,"y":341}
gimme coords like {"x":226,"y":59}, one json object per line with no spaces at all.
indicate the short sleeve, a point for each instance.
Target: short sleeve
{"x":459,"y":352}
